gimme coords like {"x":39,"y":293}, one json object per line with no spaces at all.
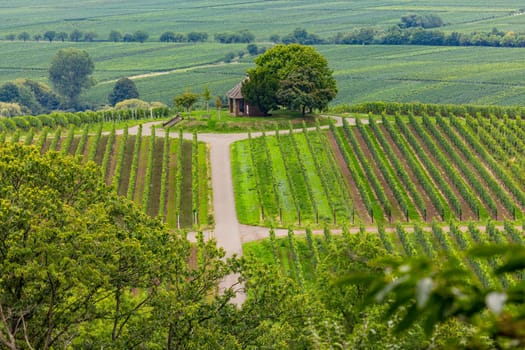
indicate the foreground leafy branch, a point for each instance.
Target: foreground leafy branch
{"x":420,"y":291}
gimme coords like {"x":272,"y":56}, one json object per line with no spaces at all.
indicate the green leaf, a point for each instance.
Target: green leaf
{"x":434,"y":315}
{"x":380,"y":296}
{"x":513,"y":264}
{"x":488,"y":250}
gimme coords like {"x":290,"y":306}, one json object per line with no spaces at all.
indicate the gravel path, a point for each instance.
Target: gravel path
{"x":230,"y":235}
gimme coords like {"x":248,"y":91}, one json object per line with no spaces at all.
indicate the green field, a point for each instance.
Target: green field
{"x":456,"y":75}
{"x":263,"y":18}
{"x":474,"y":75}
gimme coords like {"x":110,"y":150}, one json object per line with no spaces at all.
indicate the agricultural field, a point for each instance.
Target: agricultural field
{"x":167,"y":177}
{"x":363,"y":73}
{"x":289,"y":178}
{"x":386,"y":170}
{"x":261,"y":17}
{"x":474,"y":75}
{"x":301,"y":256}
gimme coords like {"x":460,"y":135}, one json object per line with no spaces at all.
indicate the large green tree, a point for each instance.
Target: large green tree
{"x":82,"y":266}
{"x":70,"y":73}
{"x":306,"y":89}
{"x":305,"y":80}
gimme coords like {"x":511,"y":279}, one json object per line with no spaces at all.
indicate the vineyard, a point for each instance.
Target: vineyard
{"x":289,"y":178}
{"x":300,"y":256}
{"x":168,"y":177}
{"x":435,"y":168}
{"x":385,"y":170}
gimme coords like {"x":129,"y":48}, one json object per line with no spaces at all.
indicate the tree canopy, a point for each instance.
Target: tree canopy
{"x":70,"y":73}
{"x":305,"y":82}
{"x":33,"y":97}
{"x":186,"y":100}
{"x":81,"y":265}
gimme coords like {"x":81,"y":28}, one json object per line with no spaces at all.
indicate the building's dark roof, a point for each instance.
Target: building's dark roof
{"x":235,"y":92}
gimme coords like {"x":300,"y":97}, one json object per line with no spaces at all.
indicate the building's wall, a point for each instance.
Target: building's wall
{"x":246,"y":110}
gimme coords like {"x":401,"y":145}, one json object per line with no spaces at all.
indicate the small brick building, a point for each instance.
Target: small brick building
{"x":238,"y":106}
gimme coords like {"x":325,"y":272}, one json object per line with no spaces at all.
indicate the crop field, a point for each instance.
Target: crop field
{"x":287,"y":179}
{"x":168,"y":177}
{"x":422,"y":73}
{"x":300,"y":255}
{"x":261,"y":17}
{"x":394,"y":170}
{"x":459,"y":75}
{"x":363,"y":73}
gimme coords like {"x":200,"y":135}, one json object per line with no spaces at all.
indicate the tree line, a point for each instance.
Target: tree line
{"x":243,"y":36}
{"x":398,"y":35}
{"x":412,"y":31}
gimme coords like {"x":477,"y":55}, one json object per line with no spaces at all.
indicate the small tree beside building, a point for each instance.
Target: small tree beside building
{"x":186,"y":101}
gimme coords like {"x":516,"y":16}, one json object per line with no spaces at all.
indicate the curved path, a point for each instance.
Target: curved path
{"x":228,"y":232}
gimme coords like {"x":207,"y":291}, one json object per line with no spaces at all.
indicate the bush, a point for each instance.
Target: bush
{"x":60,"y":119}
{"x":73,"y":119}
{"x":9,"y":124}
{"x":21,"y":123}
{"x":47,"y":120}
{"x":34,"y":122}
{"x":133,"y":103}
{"x":10,"y":109}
